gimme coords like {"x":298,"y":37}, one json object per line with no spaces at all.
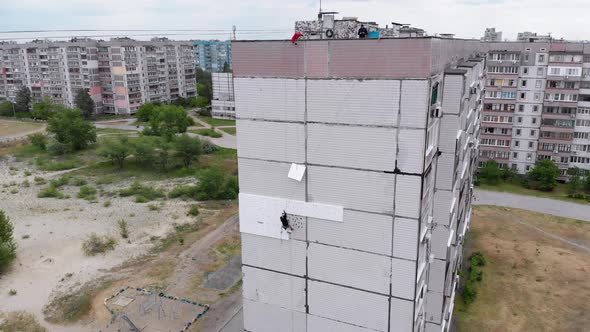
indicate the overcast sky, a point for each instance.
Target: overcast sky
{"x":465,"y":18}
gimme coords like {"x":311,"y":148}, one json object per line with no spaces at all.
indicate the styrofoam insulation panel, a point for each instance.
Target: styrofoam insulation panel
{"x":445,"y":170}
{"x":270,"y":98}
{"x":374,"y":148}
{"x":321,"y":324}
{"x":274,"y":254}
{"x":438,"y":241}
{"x":261,"y":317}
{"x":351,"y":189}
{"x":442,"y":206}
{"x":403,"y":278}
{"x":269,"y":179}
{"x":436,"y":275}
{"x":414,"y":103}
{"x":279,"y":141}
{"x":273,"y":288}
{"x":349,"y":267}
{"x":410,"y":157}
{"x":260,"y":215}
{"x":434,"y":306}
{"x":360,"y":230}
{"x":405,"y":238}
{"x":452,"y":91}
{"x":348,"y":305}
{"x":449,"y":127}
{"x":408,"y":191}
{"x":402,"y":315}
{"x":431,"y":327}
{"x":365,"y":102}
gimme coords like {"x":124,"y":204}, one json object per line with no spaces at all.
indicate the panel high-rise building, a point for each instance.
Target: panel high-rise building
{"x":356,"y":159}
{"x":121,"y":74}
{"x":213,"y":55}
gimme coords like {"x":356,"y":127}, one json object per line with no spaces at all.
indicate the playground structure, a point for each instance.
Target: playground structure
{"x":138,"y":309}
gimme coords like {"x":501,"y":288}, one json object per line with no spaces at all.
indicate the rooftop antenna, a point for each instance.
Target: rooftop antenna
{"x":320,"y":12}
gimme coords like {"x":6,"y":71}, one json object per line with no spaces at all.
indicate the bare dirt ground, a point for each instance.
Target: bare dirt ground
{"x":536,"y":276}
{"x":167,"y":249}
{"x":14,"y":129}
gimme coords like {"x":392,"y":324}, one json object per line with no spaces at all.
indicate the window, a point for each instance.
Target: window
{"x":554,"y":71}
{"x":530,"y":145}
{"x":521,"y":108}
{"x":525,"y":70}
{"x":514,"y":167}
{"x":532,"y":133}
{"x":523,"y":83}
{"x":539,"y":71}
{"x":541,"y":57}
{"x":515,"y":155}
{"x":534,"y":120}
{"x":528,"y":168}
{"x":519,"y":119}
{"x":504,"y":131}
{"x":529,"y":156}
{"x":535,"y":108}
{"x":518,"y":131}
{"x":538,"y":84}
{"x":434,"y":94}
{"x":526,"y":57}
{"x":522,"y":95}
{"x":537,"y":96}
{"x":516,"y":143}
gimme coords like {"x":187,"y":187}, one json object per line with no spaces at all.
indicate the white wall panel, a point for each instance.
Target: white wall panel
{"x":402,"y":315}
{"x":269,"y":179}
{"x":278,"y":141}
{"x":452,"y":90}
{"x":372,"y":102}
{"x":414,"y":103}
{"x":442,"y":206}
{"x":444,"y":171}
{"x":260,"y":317}
{"x":439,"y":240}
{"x":403,"y":278}
{"x":320,"y":324}
{"x":349,"y":267}
{"x":270,"y":98}
{"x":348,"y":305}
{"x":360,"y":230}
{"x":434,"y":306}
{"x":408,"y":190}
{"x":449,"y":127}
{"x":350,"y":146}
{"x":274,"y":288}
{"x":431,"y":327}
{"x":405,"y":238}
{"x":352,"y":189}
{"x":436,"y":275}
{"x":274,"y":254}
{"x":410,"y":154}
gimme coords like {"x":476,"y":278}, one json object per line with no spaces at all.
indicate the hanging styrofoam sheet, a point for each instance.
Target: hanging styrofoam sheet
{"x":278,"y":141}
{"x":414,"y":103}
{"x":403,"y":278}
{"x":452,"y":90}
{"x":359,"y":230}
{"x":352,"y":189}
{"x":410,"y":157}
{"x":367,"y":102}
{"x":374,"y":148}
{"x":402,"y":315}
{"x":269,"y":179}
{"x":261,"y":317}
{"x":349,"y":267}
{"x":408,"y":191}
{"x":260,"y":215}
{"x":274,"y":254}
{"x":270,"y":98}
{"x":405,"y":238}
{"x":274,"y":288}
{"x":348,"y":305}
{"x":321,"y":324}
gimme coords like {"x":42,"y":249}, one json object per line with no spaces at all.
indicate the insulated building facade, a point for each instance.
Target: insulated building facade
{"x":223,"y":102}
{"x":355,"y":180}
{"x":537,"y":105}
{"x":120,"y":75}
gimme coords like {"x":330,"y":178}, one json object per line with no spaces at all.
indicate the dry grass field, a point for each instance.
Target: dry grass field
{"x":15,"y":128}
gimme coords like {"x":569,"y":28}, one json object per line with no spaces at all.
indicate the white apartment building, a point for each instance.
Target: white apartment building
{"x":121,"y":74}
{"x":223,"y":102}
{"x":372,"y":163}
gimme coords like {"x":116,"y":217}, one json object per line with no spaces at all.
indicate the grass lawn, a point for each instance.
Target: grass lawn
{"x":560,"y":192}
{"x":206,"y":132}
{"x":216,"y":122}
{"x":231,"y":131}
{"x":531,"y":281}
{"x":10,"y":127}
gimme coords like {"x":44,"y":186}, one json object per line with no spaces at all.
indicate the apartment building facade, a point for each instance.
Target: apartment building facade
{"x":213,"y":55}
{"x":121,"y":74}
{"x":371,"y":163}
{"x":223,"y":103}
{"x":537,"y":105}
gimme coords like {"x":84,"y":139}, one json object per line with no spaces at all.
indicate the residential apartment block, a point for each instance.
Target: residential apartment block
{"x":223,"y":102}
{"x":120,"y":74}
{"x":212,"y":55}
{"x":537,"y":105}
{"x":355,"y":180}
{"x":492,"y":35}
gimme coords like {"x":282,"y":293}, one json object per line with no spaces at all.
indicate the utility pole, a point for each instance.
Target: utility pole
{"x":234,"y":32}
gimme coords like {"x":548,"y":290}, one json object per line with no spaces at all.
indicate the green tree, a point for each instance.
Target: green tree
{"x":7,"y":244}
{"x":116,"y":150}
{"x":23,"y":100}
{"x":204,"y":86}
{"x":145,"y":112}
{"x":144,"y":150}
{"x":490,"y":173}
{"x":168,"y":120}
{"x":544,"y":175}
{"x":7,"y":108}
{"x":226,"y":68}
{"x":42,"y":110}
{"x":587,"y":183}
{"x":70,"y":128}
{"x":188,"y":149}
{"x":162,"y":154}
{"x":84,"y":102}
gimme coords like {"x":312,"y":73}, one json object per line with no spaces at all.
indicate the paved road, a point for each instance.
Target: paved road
{"x":543,"y":205}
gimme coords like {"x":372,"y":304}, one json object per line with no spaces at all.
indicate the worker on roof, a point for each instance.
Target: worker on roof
{"x":363,"y":32}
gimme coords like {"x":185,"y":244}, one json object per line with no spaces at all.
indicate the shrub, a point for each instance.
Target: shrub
{"x":20,"y":321}
{"x":477,"y":259}
{"x":27,"y":173}
{"x":137,"y":189}
{"x":79,"y":182}
{"x":209,"y":147}
{"x":153,"y":207}
{"x":544,"y":175}
{"x":14,"y":191}
{"x":208,"y":132}
{"x":106,"y":204}
{"x":185,"y":192}
{"x":188,"y":149}
{"x":69,"y":127}
{"x":51,"y":191}
{"x":490,"y":173}
{"x":469,"y":293}
{"x":193,"y":210}
{"x":123,"y":228}
{"x":88,"y":193}
{"x":96,"y":244}
{"x":26,"y":183}
{"x":7,"y":244}
{"x":56,"y":148}
{"x":116,"y":151}
{"x":39,"y":140}
{"x":62,"y":181}
{"x":39,"y":180}
{"x":26,"y":236}
{"x":141,"y":199}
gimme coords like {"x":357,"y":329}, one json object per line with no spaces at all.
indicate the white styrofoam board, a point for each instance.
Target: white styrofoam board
{"x":274,"y":288}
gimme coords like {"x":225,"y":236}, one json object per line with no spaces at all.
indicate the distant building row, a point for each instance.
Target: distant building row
{"x":491,"y":35}
{"x":213,"y":55}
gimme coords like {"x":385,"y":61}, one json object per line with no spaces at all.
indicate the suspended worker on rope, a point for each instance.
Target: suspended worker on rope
{"x":285,"y":222}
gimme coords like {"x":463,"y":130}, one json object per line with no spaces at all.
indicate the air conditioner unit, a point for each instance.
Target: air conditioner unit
{"x":473,"y":91}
